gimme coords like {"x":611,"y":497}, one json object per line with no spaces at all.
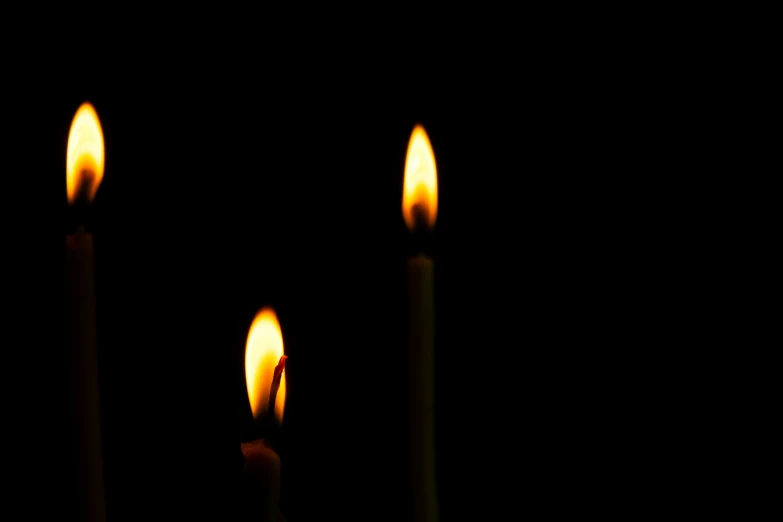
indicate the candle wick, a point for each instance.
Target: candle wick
{"x":421,"y":218}
{"x":420,"y":231}
{"x":277,"y":377}
{"x":81,"y":202}
{"x":85,"y":187}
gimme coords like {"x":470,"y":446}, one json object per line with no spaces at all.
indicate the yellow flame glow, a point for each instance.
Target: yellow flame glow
{"x":85,"y":156}
{"x":262,"y":354}
{"x":420,"y":185}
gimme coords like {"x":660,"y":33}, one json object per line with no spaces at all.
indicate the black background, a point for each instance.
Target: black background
{"x":278,"y":182}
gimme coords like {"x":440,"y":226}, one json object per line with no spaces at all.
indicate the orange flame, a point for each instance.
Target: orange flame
{"x":420,"y":185}
{"x":85,"y":157}
{"x":262,"y":353}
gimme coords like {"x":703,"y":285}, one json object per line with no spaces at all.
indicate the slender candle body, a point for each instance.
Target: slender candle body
{"x":261,"y":482}
{"x":80,"y":312}
{"x":421,"y":358}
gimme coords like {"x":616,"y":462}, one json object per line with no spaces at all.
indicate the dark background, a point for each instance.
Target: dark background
{"x":227,"y":189}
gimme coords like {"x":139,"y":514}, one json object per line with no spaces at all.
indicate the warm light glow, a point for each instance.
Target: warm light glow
{"x":85,"y":157}
{"x":262,"y":354}
{"x":420,"y":185}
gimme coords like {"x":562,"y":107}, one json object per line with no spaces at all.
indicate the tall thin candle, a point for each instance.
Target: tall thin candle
{"x":419,"y":208}
{"x":265,"y":378}
{"x":84,"y":171}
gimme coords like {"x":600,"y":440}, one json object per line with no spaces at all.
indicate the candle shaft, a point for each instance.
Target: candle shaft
{"x":80,"y":313}
{"x":261,"y":482}
{"x":421,"y":358}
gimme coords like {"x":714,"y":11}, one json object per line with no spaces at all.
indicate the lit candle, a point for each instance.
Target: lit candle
{"x":420,"y":208}
{"x":265,"y":379}
{"x":84,"y":171}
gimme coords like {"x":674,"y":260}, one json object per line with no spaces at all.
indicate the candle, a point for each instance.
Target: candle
{"x":419,"y":209}
{"x":266,"y":390}
{"x":84,"y":171}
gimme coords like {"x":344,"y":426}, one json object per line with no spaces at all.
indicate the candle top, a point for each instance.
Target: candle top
{"x":256,"y":445}
{"x":259,"y":455}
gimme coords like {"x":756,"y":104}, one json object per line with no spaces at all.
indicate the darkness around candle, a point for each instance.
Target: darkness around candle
{"x":216,"y":206}
{"x":201,"y":213}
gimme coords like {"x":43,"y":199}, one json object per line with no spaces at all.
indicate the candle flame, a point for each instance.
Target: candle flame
{"x":85,"y":156}
{"x":262,"y":354}
{"x":420,"y":185}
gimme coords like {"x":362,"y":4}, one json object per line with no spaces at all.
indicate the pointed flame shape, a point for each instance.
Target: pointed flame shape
{"x":263,"y":351}
{"x":420,"y":185}
{"x":85,"y":156}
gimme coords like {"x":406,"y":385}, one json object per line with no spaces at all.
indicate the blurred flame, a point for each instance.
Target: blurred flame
{"x":420,"y":185}
{"x":262,"y":353}
{"x":85,"y":155}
